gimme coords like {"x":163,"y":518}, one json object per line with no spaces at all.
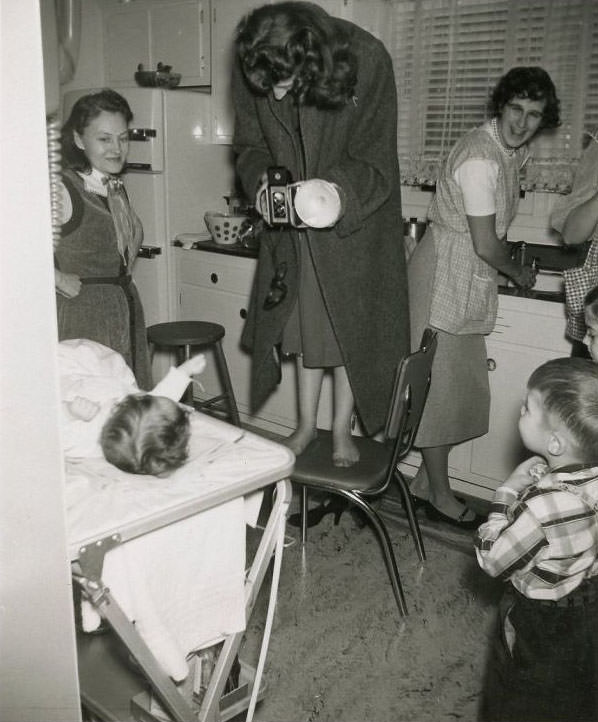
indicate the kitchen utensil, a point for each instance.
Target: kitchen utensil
{"x":160,"y":78}
{"x":191,"y":240}
{"x":224,"y":227}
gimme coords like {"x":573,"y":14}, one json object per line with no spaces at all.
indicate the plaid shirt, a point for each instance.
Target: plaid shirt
{"x":578,"y":281}
{"x":545,"y":538}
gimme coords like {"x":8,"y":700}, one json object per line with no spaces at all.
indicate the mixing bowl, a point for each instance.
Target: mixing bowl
{"x":224,"y":227}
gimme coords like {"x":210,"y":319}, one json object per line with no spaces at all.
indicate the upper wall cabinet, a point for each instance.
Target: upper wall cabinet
{"x":157,"y":31}
{"x":226,"y":15}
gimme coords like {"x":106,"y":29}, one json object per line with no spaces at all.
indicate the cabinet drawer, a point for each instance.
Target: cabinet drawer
{"x":212,"y":270}
{"x":542,"y":328}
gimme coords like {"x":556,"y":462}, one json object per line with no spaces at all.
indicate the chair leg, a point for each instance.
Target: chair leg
{"x":411,"y":516}
{"x":304,"y":500}
{"x":228,"y":386}
{"x":387,"y":550}
{"x":184,"y":354}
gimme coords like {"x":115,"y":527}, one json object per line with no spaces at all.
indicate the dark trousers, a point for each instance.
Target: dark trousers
{"x":579,"y":349}
{"x":550,"y":670}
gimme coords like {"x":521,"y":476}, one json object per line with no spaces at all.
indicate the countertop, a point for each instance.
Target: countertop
{"x":553,"y":296}
{"x":236,"y":249}
{"x":233,"y":249}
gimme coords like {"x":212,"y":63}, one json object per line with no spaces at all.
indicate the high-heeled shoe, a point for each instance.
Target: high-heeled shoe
{"x":435,"y":514}
{"x":334,"y":505}
{"x":416,"y":501}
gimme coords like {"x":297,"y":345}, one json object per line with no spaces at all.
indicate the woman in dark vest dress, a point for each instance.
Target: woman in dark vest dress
{"x":101,"y":234}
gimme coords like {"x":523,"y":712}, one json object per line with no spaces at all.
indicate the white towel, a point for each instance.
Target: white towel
{"x":183,"y":584}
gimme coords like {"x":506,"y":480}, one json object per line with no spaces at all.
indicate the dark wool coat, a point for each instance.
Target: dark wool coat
{"x":360,"y":262}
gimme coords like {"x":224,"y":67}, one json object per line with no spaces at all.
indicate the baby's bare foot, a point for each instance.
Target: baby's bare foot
{"x":300,"y":439}
{"x":344,"y":451}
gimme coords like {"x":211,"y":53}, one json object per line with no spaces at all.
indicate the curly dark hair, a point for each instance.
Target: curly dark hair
{"x":298,"y":40}
{"x":527,"y":82}
{"x":83,"y":112}
{"x":146,"y":434}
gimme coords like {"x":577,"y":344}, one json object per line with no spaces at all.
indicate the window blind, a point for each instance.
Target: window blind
{"x":449,"y":54}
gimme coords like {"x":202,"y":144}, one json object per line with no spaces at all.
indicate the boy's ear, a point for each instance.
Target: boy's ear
{"x":557,"y":444}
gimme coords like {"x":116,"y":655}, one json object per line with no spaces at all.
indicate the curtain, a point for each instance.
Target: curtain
{"x":448,"y":56}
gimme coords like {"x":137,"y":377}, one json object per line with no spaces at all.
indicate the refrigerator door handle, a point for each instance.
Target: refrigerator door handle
{"x":149,"y":252}
{"x":142,"y":134}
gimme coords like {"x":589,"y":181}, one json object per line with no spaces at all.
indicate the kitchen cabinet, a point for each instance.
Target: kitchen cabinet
{"x":226,"y":15}
{"x":527,"y":333}
{"x":216,"y":287}
{"x":175,"y":33}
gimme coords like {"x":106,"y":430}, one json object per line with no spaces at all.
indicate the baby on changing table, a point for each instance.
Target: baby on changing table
{"x":105,"y":413}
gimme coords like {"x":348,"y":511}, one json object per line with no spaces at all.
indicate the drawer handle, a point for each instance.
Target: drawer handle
{"x":491,"y":364}
{"x":243,"y":313}
{"x":214,"y":278}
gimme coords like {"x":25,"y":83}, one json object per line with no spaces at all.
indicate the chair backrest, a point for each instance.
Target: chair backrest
{"x":412,"y":382}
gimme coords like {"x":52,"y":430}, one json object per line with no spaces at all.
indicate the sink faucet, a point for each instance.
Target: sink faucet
{"x":519,"y":249}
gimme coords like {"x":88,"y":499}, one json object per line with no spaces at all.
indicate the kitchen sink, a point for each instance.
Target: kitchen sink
{"x":550,"y":262}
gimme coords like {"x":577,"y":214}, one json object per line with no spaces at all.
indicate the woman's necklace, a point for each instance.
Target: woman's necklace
{"x":497,"y":137}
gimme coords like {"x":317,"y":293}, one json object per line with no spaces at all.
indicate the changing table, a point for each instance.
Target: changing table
{"x":106,"y":508}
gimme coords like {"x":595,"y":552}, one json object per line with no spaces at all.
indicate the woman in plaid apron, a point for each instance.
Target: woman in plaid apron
{"x":453,"y":276}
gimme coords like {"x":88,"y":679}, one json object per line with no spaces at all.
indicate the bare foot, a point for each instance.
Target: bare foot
{"x":300,"y":439}
{"x":344,"y":451}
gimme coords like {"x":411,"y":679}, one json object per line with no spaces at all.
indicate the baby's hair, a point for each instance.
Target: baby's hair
{"x":146,"y":434}
{"x":569,"y":389}
{"x":590,"y":303}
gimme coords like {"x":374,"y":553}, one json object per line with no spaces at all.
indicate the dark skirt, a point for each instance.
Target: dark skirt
{"x":458,"y":405}
{"x":102,"y":313}
{"x":309,"y":331}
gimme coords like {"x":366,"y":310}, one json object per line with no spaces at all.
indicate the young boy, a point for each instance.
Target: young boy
{"x":590,"y":303}
{"x":104,"y":412}
{"x":542,"y":537}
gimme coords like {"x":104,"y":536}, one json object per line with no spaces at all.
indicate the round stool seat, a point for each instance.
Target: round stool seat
{"x":185,"y":333}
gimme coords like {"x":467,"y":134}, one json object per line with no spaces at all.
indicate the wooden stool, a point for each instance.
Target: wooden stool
{"x":186,"y":335}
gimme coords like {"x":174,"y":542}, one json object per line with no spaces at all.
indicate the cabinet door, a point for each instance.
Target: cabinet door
{"x":180,"y":37}
{"x":157,"y":31}
{"x":126,"y":43}
{"x":226,"y":15}
{"x":527,"y":333}
{"x":229,"y":310}
{"x":495,"y":455}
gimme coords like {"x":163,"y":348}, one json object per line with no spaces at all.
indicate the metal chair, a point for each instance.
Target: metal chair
{"x":379,"y":461}
{"x":182,"y":336}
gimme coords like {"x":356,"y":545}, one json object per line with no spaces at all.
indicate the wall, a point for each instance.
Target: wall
{"x":38,"y":673}
{"x":90,"y":68}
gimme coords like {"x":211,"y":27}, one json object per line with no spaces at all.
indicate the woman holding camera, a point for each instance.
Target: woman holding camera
{"x":316,"y":95}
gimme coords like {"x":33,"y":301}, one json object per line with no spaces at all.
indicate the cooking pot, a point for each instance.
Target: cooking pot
{"x":414,"y":229}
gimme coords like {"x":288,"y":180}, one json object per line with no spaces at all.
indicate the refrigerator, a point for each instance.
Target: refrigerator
{"x":175,"y":173}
